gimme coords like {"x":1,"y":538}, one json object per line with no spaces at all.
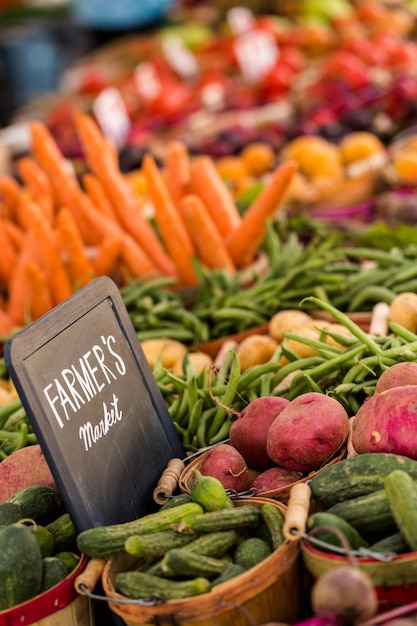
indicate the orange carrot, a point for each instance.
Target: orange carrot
{"x":177,"y":170}
{"x":244,"y":242}
{"x":121,"y":194}
{"x":10,"y":192}
{"x":96,"y":226}
{"x":80,"y":268}
{"x":97,"y":195}
{"x":211,"y":248}
{"x":169,"y":221}
{"x":18,"y":291}
{"x":107,"y":255}
{"x":15,"y":233}
{"x":49,"y":253}
{"x":7,"y":325}
{"x":207,"y":183}
{"x":40,"y":294}
{"x":33,"y":177}
{"x":50,"y":159}
{"x":8,"y":254}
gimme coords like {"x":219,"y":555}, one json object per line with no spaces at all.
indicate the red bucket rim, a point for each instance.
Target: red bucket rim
{"x":44,"y":604}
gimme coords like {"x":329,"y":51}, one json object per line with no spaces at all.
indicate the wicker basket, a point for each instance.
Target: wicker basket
{"x":282,"y":493}
{"x":270,"y":591}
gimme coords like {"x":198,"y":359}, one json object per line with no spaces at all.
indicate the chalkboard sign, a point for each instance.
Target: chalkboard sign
{"x":94,"y":405}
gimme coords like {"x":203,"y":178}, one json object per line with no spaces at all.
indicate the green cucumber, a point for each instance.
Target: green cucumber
{"x":53,"y":572}
{"x":180,"y":498}
{"x":369,"y":514}
{"x":209,"y":492}
{"x":106,"y":541}
{"x":154,"y":545}
{"x":180,"y":563}
{"x":251,"y":551}
{"x":69,"y":559}
{"x":215,"y":544}
{"x":357,"y":476}
{"x":45,"y":540}
{"x":10,"y":513}
{"x":320,"y":526}
{"x":146,"y":587}
{"x":230,"y":571}
{"x":402,"y":497}
{"x":20,"y":565}
{"x":247,"y":515}
{"x":63,"y":531}
{"x":274,"y":520}
{"x":395,"y":544}
{"x":40,"y":503}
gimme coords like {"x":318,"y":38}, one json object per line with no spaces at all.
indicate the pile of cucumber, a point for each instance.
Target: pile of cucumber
{"x":371,"y":499}
{"x":187,"y":547}
{"x":37,"y":544}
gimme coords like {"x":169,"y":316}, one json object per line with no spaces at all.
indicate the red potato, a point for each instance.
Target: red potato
{"x":387,"y":422}
{"x":308,"y":432}
{"x":398,"y":375}
{"x":274,"y":478}
{"x":226,"y":464}
{"x":249,"y":432}
{"x":24,"y":468}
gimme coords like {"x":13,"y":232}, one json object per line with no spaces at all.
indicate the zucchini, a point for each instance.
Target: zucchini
{"x":63,"y":531}
{"x":20,"y":565}
{"x":229,"y":572}
{"x":274,"y":520}
{"x":38,"y":502}
{"x":146,"y":587}
{"x":319,"y":526}
{"x":251,"y":552}
{"x":368,"y":514}
{"x":53,"y":572}
{"x":106,"y":541}
{"x":247,"y":515}
{"x":357,"y":476}
{"x":10,"y":513}
{"x":154,"y":545}
{"x":180,"y":563}
{"x":402,"y":497}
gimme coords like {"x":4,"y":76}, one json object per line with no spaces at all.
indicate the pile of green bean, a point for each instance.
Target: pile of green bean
{"x":350,"y":278}
{"x":202,"y":410}
{"x":15,"y":429}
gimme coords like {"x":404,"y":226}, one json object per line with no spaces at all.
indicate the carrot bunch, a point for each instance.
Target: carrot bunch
{"x":57,"y":233}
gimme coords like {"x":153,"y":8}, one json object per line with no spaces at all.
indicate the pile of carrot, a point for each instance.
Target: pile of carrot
{"x":58,"y":233}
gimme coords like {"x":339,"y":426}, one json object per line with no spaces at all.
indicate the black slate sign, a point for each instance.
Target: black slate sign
{"x":94,"y":405}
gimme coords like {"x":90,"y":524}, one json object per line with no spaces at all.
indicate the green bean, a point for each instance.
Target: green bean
{"x":203,"y":425}
{"x":343,"y":319}
{"x":8,"y":409}
{"x":222,"y":433}
{"x":195,"y":415}
{"x":402,"y":331}
{"x":254,"y":373}
{"x":371,"y":293}
{"x":227,"y":399}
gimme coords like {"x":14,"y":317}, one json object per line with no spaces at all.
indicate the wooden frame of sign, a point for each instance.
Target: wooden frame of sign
{"x":94,"y":406}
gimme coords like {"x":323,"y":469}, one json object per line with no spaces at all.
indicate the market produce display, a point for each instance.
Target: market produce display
{"x":264,"y":246}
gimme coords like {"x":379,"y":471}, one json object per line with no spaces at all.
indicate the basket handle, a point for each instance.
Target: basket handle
{"x":168,"y":481}
{"x":87,"y":580}
{"x":297,"y":512}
